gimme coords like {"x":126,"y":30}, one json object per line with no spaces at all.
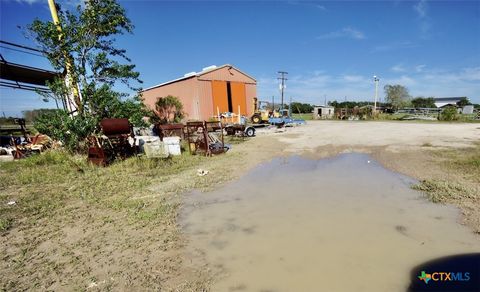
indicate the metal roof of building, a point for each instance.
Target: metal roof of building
{"x":198,"y":74}
{"x":447,"y":98}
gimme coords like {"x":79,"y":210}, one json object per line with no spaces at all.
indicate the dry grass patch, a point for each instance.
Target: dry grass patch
{"x":74,"y":225}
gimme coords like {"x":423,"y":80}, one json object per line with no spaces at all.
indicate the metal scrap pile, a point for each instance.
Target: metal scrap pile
{"x":116,"y":142}
{"x":24,"y":145}
{"x":205,"y":138}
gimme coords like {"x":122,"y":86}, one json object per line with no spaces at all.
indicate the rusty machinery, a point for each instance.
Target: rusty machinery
{"x":114,"y":143}
{"x":169,"y":130}
{"x":26,"y":147}
{"x":205,"y":138}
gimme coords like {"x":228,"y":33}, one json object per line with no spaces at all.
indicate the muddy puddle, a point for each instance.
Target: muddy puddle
{"x":338,"y":224}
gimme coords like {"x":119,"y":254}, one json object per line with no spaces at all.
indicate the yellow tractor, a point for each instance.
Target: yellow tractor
{"x":262,"y":112}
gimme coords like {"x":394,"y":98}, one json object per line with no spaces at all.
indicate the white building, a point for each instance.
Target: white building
{"x":443,"y":101}
{"x":323,"y":112}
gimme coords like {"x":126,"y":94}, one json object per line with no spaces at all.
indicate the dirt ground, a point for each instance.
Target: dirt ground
{"x":429,"y":152}
{"x":84,"y":245}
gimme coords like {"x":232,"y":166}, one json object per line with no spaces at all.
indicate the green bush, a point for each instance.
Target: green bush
{"x":450,"y":113}
{"x":71,"y":131}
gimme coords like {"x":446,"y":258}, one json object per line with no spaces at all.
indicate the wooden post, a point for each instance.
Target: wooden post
{"x":239,"y":115}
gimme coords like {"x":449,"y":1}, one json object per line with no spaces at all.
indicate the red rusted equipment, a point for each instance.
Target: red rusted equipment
{"x":113,"y":144}
{"x":205,"y":138}
{"x":169,"y":130}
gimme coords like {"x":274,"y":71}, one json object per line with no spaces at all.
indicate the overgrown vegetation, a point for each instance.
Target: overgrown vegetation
{"x":47,"y":182}
{"x":449,"y":113}
{"x":83,"y":44}
{"x":74,"y":224}
{"x":460,"y":184}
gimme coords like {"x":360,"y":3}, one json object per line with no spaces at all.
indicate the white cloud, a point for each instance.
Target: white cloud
{"x":321,"y":7}
{"x":353,"y":78}
{"x":398,"y":68}
{"x":421,"y":8}
{"x":397,"y":45}
{"x":420,"y":68}
{"x":425,"y":24}
{"x":346,"y":32}
{"x":312,"y":87}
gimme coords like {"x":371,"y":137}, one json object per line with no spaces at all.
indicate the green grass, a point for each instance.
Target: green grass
{"x":46,"y":184}
{"x":444,"y":191}
{"x":5,"y":224}
{"x":305,"y":117}
{"x":463,"y":167}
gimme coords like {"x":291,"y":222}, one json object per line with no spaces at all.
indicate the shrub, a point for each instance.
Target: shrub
{"x":450,"y":113}
{"x":71,"y":131}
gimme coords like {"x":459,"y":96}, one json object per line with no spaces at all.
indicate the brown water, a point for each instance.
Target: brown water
{"x":340,"y":224}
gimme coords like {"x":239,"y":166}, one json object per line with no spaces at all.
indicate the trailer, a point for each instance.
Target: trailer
{"x":240,"y":130}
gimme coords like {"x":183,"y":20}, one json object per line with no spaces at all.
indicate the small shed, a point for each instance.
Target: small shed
{"x":222,"y":89}
{"x":323,"y":112}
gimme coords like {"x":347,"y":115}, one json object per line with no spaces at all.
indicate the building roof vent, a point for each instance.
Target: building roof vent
{"x":209,"y":68}
{"x":190,"y":74}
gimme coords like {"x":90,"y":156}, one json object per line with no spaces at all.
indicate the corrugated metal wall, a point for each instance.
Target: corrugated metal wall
{"x":250,"y":92}
{"x":198,"y":96}
{"x":204,"y":94}
{"x":184,"y":90}
{"x":239,"y":97}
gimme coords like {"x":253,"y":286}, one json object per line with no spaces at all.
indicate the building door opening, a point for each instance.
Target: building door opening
{"x":229,"y":97}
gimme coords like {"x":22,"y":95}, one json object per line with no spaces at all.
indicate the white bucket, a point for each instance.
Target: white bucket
{"x":173,"y":145}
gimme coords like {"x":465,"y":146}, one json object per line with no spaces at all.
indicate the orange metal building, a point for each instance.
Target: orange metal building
{"x":224,"y":88}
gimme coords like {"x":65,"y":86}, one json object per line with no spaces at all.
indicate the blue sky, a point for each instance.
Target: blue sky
{"x":330,"y":49}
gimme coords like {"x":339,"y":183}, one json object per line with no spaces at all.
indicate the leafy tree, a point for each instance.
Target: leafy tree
{"x":169,"y":109}
{"x":299,"y":108}
{"x":464,"y":101}
{"x":85,"y":46}
{"x":397,"y":95}
{"x":422,"y":102}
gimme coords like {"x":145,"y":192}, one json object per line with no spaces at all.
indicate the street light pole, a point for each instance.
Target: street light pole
{"x":375,"y":79}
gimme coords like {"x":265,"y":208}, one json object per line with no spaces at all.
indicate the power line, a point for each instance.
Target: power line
{"x":16,"y":50}
{"x":22,"y":46}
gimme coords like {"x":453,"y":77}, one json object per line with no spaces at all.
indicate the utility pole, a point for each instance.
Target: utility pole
{"x":375,"y":79}
{"x":71,"y":81}
{"x":282,"y":84}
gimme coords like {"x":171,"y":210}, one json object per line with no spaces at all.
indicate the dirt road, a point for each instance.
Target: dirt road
{"x":396,"y":136}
